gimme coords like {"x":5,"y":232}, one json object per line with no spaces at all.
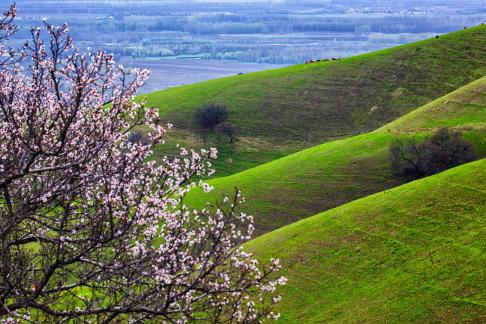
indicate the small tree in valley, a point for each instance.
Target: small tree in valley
{"x":90,"y":231}
{"x":230,"y":131}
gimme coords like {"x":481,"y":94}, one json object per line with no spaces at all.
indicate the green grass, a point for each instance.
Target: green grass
{"x":337,"y":172}
{"x":464,"y":107}
{"x":282,"y":111}
{"x":416,"y":253}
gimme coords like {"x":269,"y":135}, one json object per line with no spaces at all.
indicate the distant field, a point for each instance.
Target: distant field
{"x":413,"y":254}
{"x":167,"y":73}
{"x":281,"y":111}
{"x":337,"y":172}
{"x":278,"y":32}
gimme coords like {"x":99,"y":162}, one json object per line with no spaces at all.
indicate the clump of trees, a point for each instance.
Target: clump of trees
{"x":91,"y":231}
{"x":214,"y":118}
{"x":443,"y":150}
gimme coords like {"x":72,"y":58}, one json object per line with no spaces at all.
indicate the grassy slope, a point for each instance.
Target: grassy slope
{"x":416,"y":253}
{"x":285,"y":110}
{"x":337,"y":172}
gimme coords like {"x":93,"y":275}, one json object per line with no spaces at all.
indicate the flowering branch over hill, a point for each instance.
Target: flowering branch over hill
{"x":90,"y":230}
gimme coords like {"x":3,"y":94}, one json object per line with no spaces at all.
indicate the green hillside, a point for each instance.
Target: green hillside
{"x":337,"y":172}
{"x":416,"y":253}
{"x":282,"y":111}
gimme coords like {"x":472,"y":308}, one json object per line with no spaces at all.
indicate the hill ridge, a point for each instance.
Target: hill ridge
{"x":328,"y":175}
{"x":278,"y":112}
{"x":414,"y":253}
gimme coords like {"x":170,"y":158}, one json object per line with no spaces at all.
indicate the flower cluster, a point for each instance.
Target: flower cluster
{"x":90,"y":228}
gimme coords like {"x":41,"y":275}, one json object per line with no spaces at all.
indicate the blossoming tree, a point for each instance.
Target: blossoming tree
{"x":90,"y":229}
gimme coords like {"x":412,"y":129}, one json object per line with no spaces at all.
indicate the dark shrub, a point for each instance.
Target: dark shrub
{"x":135,"y":138}
{"x":209,"y":116}
{"x":443,"y":150}
{"x":230,"y":131}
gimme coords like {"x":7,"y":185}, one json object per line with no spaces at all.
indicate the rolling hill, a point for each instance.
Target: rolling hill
{"x":282,"y":111}
{"x":416,"y":253}
{"x":331,"y":174}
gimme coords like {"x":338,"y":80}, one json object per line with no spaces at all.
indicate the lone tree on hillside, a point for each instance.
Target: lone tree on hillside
{"x":211,"y":115}
{"x":213,"y":118}
{"x":443,"y":150}
{"x":90,"y":231}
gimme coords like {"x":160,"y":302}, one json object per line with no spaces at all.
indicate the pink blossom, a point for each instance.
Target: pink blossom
{"x":104,"y":233}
